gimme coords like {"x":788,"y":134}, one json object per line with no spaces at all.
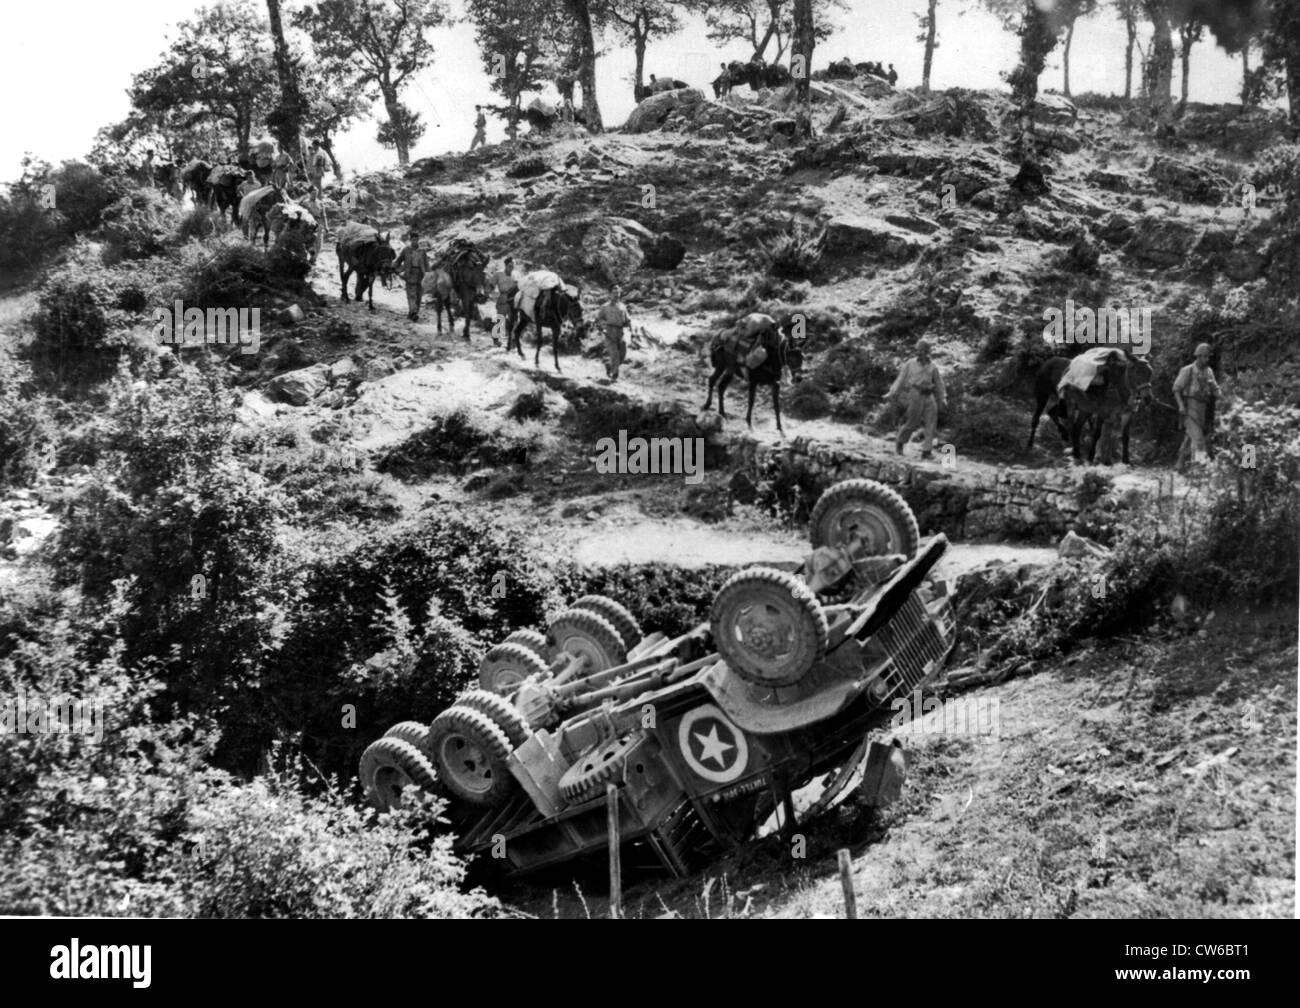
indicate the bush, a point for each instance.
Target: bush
{"x":237,"y":275}
{"x":137,"y":226}
{"x":80,"y":333}
{"x":28,"y":428}
{"x":794,"y":255}
{"x":136,"y":823}
{"x":662,"y":597}
{"x":197,"y":225}
{"x":987,"y":427}
{"x":457,"y":442}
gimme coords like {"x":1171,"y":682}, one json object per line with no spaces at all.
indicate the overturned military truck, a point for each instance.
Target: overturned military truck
{"x":705,"y":735}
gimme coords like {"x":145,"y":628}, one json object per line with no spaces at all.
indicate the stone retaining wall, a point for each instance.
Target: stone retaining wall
{"x":1036,"y":505}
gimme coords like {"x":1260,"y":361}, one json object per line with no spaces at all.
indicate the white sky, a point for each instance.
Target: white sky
{"x":63,"y":89}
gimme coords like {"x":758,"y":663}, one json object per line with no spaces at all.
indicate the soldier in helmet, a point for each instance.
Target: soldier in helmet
{"x":919,"y":389}
{"x":1195,"y":391}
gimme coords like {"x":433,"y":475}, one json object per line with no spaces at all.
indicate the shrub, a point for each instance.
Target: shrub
{"x":457,"y":442}
{"x":137,"y":225}
{"x":794,"y":255}
{"x":28,"y":427}
{"x":986,"y":426}
{"x":237,"y":275}
{"x":661,"y":596}
{"x":138,"y":824}
{"x":199,"y":224}
{"x":80,"y":333}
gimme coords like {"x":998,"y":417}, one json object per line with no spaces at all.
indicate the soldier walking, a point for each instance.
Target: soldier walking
{"x":413,"y":263}
{"x":1195,"y":390}
{"x":919,"y":386}
{"x":613,"y":317}
{"x":480,"y":129}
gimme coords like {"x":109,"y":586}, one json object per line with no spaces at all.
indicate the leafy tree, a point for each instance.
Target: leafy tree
{"x":762,"y":22}
{"x":379,"y":44}
{"x":219,"y":70}
{"x":638,"y":21}
{"x":1281,"y":41}
{"x":403,"y":127}
{"x":1190,"y":31}
{"x":520,"y":41}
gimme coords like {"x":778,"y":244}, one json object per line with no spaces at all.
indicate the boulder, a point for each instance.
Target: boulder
{"x":343,"y":369}
{"x":1055,"y":110}
{"x":611,"y":249}
{"x":1162,"y":241}
{"x":651,"y":113}
{"x":861,"y":233}
{"x":913,"y":222}
{"x":1116,"y":229}
{"x":27,"y":534}
{"x":1193,"y":183}
{"x":665,"y":252}
{"x":379,"y":367}
{"x":299,"y":387}
{"x":970,"y":176}
{"x":1113,"y":181}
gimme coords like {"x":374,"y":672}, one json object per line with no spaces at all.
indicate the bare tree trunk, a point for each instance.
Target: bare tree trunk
{"x":1161,"y":75}
{"x":804,"y":42}
{"x":767,"y":37}
{"x":1130,"y":25}
{"x":1245,"y":75}
{"x":639,"y":42}
{"x":581,"y":12}
{"x":1069,"y":41}
{"x":327,"y":145}
{"x":931,"y":30}
{"x":1186,"y":41}
{"x":288,"y":114}
{"x":394,"y":109}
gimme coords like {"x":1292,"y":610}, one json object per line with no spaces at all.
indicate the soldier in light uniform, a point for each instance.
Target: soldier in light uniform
{"x":1195,"y":389}
{"x":613,"y":318}
{"x":920,"y":387}
{"x":412,"y":263}
{"x":507,"y":286}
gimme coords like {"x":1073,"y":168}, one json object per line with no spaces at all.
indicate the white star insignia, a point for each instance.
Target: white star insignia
{"x":712,"y":747}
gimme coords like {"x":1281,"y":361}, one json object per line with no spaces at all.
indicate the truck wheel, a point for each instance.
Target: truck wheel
{"x":390,"y":766}
{"x":768,"y":626}
{"x":471,"y":754}
{"x":531,"y":639}
{"x":870,"y":510}
{"x":410,"y":731}
{"x":582,"y":632}
{"x":604,"y":763}
{"x":502,"y":713}
{"x":624,"y":622}
{"x":505,"y":666}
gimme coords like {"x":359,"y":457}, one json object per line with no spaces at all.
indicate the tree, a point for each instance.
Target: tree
{"x":334,"y":104}
{"x":761,"y":22}
{"x":377,"y":44}
{"x":404,"y":127}
{"x":219,"y":69}
{"x":1158,"y":69}
{"x":1281,"y":47}
{"x":928,"y":35}
{"x":580,"y":11}
{"x":1071,"y":14}
{"x":805,"y":40}
{"x":286,"y":119}
{"x":1129,"y":10}
{"x":1190,"y":31}
{"x":638,"y":21}
{"x":520,"y":41}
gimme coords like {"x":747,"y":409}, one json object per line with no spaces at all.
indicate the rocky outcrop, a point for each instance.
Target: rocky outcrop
{"x":298,"y":388}
{"x":651,"y":113}
{"x":1192,"y":183}
{"x":616,"y":247}
{"x":858,"y":234}
{"x":1163,"y":241}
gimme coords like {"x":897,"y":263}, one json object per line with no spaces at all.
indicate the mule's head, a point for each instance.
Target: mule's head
{"x":382,"y":259}
{"x":1140,"y":376}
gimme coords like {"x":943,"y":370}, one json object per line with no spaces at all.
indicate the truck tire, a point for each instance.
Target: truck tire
{"x":623,"y":620}
{"x":411,"y":731}
{"x":502,"y":713}
{"x":391,"y":765}
{"x":869,"y":509}
{"x":472,"y":756}
{"x":533,"y":640}
{"x":604,"y":763}
{"x":505,"y":666}
{"x":583,"y":632}
{"x":768,"y":626}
